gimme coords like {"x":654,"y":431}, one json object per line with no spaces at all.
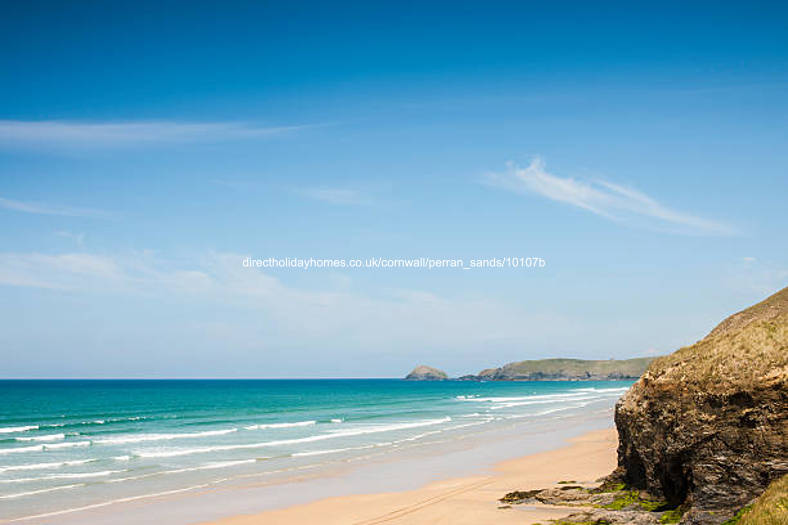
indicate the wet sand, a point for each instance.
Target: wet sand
{"x":459,"y":501}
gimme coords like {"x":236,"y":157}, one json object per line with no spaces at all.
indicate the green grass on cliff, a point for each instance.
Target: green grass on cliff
{"x":747,"y":349}
{"x":771,"y":508}
{"x":739,"y":358}
{"x":771,"y":307}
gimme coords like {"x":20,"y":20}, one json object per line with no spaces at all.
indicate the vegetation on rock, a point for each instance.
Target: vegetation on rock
{"x":769,"y":509}
{"x":706,"y":426}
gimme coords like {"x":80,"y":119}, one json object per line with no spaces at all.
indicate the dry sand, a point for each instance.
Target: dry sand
{"x":460,"y":501}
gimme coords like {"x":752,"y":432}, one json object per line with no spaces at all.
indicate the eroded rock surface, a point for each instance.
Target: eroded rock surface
{"x":707,"y":426}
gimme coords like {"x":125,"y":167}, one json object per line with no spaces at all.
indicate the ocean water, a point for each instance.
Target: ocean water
{"x":70,"y":446}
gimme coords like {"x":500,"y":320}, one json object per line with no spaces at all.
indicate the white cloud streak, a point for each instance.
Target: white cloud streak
{"x":292,"y":314}
{"x":70,"y":271}
{"x":78,"y":238}
{"x":65,"y":133}
{"x":39,"y":208}
{"x":602,"y":198}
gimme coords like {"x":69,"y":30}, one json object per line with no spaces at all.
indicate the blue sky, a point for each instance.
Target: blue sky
{"x":146,"y":149}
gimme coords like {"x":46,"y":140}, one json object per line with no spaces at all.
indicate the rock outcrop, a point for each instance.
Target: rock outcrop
{"x":602,"y":505}
{"x":426,"y":373}
{"x":567,"y":370}
{"x":706,"y":428}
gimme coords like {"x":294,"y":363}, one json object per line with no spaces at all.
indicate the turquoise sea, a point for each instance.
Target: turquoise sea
{"x":73,"y":445}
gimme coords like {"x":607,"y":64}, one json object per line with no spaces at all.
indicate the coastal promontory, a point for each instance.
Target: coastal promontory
{"x":567,"y":370}
{"x":706,"y":428}
{"x":426,"y":373}
{"x":702,"y":435}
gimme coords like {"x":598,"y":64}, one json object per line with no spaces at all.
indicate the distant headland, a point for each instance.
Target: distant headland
{"x":547,"y":370}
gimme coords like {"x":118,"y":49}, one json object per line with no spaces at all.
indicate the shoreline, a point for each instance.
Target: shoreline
{"x":471,"y":454}
{"x":460,"y":500}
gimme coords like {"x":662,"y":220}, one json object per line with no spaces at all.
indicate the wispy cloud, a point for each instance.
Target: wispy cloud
{"x":61,"y":133}
{"x":602,"y":198}
{"x":78,"y":238}
{"x":47,"y":209}
{"x":69,"y":271}
{"x":341,"y":196}
{"x":295,"y":314}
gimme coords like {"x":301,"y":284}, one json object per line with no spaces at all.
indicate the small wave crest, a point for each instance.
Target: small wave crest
{"x":48,"y":437}
{"x":42,"y":448}
{"x":281,"y":425}
{"x":295,"y":441}
{"x":40,"y":491}
{"x":74,"y":475}
{"x":43,"y":466}
{"x":162,"y":437}
{"x":67,"y":444}
{"x":25,"y":428}
{"x":22,"y":450}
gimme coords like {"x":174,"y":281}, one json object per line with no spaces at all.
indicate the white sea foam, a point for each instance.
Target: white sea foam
{"x":74,"y":475}
{"x":8,"y":430}
{"x":48,"y":437}
{"x":541,"y":402}
{"x":334,"y":450}
{"x":548,"y":411}
{"x":102,"y":421}
{"x":418,"y":436}
{"x":22,"y":450}
{"x":40,"y":491}
{"x":551,"y":410}
{"x":211,"y":466}
{"x":162,"y":437}
{"x":337,"y":420}
{"x":308,"y":439}
{"x":42,"y":466}
{"x":281,"y":425}
{"x":67,"y":444}
{"x":496,"y":399}
{"x":604,"y":390}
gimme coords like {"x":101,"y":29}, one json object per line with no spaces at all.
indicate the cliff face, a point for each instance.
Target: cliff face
{"x":707,"y":426}
{"x":567,"y":370}
{"x":426,"y":373}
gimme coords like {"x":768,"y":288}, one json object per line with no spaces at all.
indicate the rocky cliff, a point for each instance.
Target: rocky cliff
{"x":426,"y":373}
{"x":706,"y":428}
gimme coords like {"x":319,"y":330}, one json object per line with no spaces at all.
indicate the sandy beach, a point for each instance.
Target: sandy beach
{"x":465,"y":500}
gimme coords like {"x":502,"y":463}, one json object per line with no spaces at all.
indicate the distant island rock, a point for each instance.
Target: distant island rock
{"x":426,"y":373}
{"x":568,"y":370}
